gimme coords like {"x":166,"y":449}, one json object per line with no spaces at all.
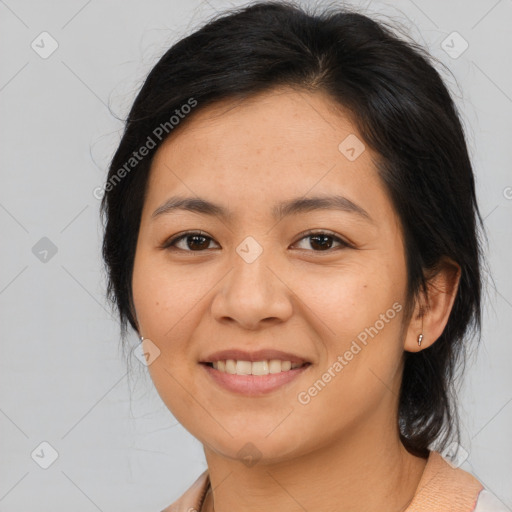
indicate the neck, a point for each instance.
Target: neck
{"x":368,"y":470}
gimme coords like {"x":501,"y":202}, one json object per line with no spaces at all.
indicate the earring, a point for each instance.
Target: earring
{"x":420,"y":337}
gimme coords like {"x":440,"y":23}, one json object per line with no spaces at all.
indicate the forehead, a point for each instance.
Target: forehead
{"x":285,"y":123}
{"x":273,"y":145}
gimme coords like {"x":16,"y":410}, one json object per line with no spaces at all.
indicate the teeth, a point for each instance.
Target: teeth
{"x":243,"y":368}
{"x":230,"y":366}
{"x":258,"y":367}
{"x":254,"y":368}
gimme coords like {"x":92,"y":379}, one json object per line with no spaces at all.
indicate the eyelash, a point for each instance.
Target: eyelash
{"x":169,"y":244}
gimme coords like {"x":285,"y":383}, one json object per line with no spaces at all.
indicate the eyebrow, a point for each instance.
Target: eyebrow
{"x":280,"y":210}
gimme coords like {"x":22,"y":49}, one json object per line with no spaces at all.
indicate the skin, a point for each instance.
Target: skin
{"x":341,"y":451}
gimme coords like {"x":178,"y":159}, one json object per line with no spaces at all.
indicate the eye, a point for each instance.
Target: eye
{"x":323,"y":240}
{"x":197,"y":241}
{"x":194,"y":241}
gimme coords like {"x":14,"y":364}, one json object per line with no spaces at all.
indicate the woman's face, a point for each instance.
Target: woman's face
{"x":255,"y":280}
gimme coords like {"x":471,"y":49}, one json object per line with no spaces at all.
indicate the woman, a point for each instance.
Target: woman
{"x":292,"y":230}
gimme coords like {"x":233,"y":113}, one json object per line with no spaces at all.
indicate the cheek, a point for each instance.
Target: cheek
{"x":358,"y":313}
{"x":167,"y":303}
{"x":352,"y":297}
{"x":165,"y":296}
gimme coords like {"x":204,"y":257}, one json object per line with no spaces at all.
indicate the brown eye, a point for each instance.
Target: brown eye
{"x":322,"y":241}
{"x":192,"y":242}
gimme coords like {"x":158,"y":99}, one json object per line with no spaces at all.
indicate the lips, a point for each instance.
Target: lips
{"x":258,"y":355}
{"x":252,"y":385}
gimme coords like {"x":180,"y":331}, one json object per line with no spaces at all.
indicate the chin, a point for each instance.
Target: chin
{"x":256,"y":447}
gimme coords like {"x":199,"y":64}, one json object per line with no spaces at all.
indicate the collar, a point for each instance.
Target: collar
{"x":441,"y":487}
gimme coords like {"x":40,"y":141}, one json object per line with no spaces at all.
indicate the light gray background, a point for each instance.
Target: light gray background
{"x":63,"y":379}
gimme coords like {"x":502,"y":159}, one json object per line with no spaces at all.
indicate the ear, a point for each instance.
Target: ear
{"x":433,"y":308}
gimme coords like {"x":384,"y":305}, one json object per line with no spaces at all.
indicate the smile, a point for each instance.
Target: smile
{"x":240,"y":367}
{"x":253,"y":378}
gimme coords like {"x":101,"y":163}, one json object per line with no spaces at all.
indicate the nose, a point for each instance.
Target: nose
{"x":253,"y":294}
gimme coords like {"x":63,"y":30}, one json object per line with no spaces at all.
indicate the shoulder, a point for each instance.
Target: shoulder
{"x":191,"y":499}
{"x":444,"y":487}
{"x":487,"y":502}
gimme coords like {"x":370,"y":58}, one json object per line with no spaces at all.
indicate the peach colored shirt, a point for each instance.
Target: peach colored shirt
{"x":442,"y":488}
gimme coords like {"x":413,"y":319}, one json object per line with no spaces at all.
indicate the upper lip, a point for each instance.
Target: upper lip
{"x":258,"y":355}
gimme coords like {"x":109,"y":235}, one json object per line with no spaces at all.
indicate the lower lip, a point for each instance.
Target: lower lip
{"x":253,"y":384}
